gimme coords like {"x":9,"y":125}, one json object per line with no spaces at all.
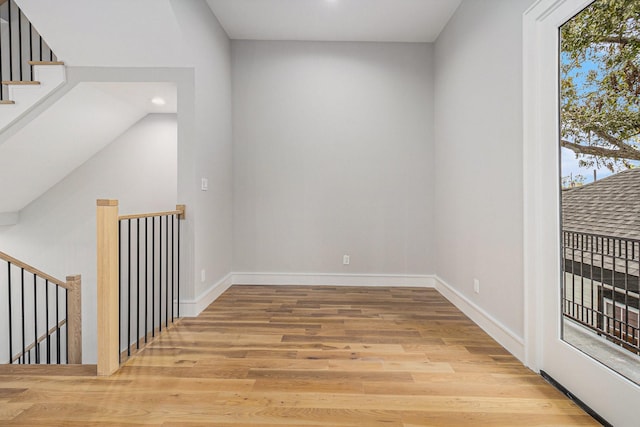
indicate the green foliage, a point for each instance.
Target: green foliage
{"x":600,"y":84}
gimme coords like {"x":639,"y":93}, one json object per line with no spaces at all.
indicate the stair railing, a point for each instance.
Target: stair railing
{"x":44,"y":316}
{"x":138,"y":280}
{"x":21,"y":47}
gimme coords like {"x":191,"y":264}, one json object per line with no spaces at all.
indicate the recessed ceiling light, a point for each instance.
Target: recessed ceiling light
{"x":158,"y":101}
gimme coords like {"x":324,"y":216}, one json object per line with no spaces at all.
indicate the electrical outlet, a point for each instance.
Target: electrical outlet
{"x":203,"y":275}
{"x":346,"y":260}
{"x":476,"y":286}
{"x":205,"y":184}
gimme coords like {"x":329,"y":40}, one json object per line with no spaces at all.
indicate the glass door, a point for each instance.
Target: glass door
{"x":579,"y":273}
{"x":600,"y":179}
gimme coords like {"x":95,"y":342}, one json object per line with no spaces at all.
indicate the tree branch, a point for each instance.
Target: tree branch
{"x":631,"y":154}
{"x":613,"y":140}
{"x":619,"y":40}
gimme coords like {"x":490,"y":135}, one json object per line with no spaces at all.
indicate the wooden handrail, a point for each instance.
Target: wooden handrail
{"x":45,"y":62}
{"x":40,"y":339}
{"x":179,"y":211}
{"x":34,"y":270}
{"x":74,"y":308}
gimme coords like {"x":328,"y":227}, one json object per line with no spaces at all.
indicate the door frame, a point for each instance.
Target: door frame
{"x":606,"y":392}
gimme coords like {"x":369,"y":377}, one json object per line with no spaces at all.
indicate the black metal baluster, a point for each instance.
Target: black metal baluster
{"x":138,"y":283}
{"x":146,"y":278}
{"x":626,"y":289}
{"x":573,"y":274}
{"x":166,"y":271}
{"x":178,"y":272}
{"x":173,"y":255}
{"x":57,"y":324}
{"x":31,"y":50}
{"x":23,"y":315}
{"x":46,"y":295}
{"x":153,"y":276}
{"x":10,"y":314}
{"x":35,"y":316}
{"x":160,"y":274}
{"x":613,"y":288}
{"x":10,"y":42}
{"x":66,"y":325}
{"x":594,"y":287}
{"x":119,"y":291}
{"x":635,"y":338}
{"x":591,"y":262}
{"x":605,"y":252}
{"x":582,"y":312}
{"x":129,"y":288}
{"x":20,"y":43}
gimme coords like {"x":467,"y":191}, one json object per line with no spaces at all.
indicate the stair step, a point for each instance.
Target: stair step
{"x":20,"y":82}
{"x":49,"y":370}
{"x":7,"y":102}
{"x":46,"y":63}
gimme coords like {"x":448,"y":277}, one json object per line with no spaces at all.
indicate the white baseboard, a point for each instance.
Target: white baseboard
{"x":503,"y":335}
{"x":192,"y":308}
{"x":319,"y":279}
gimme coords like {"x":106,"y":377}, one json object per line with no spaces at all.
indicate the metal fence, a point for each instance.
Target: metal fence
{"x":600,"y":286}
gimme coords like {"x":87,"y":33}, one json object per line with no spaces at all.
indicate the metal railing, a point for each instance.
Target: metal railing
{"x":20,"y":46}
{"x":149,"y":255}
{"x":138,"y":280}
{"x":43,"y":323}
{"x":600,"y":286}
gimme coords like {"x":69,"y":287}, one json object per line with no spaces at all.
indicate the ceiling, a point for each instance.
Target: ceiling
{"x":80,"y":124}
{"x":334,"y":20}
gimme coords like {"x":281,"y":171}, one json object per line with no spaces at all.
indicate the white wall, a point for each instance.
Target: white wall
{"x":333,"y":155}
{"x":158,"y":34}
{"x":57,"y":233}
{"x":209,"y":213}
{"x":478,"y":157}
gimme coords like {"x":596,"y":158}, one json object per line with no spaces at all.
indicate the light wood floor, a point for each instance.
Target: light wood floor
{"x":301,"y":356}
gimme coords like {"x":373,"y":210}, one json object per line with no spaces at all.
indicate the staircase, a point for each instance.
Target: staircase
{"x":29,"y":69}
{"x":41,"y":321}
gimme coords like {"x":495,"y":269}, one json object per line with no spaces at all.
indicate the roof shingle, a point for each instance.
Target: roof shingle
{"x":609,"y":207}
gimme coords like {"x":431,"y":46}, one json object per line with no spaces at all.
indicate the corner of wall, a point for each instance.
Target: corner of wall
{"x":498,"y":331}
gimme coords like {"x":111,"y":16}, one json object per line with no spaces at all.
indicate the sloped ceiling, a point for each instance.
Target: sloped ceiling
{"x":113,"y":33}
{"x":75,"y":128}
{"x":334,"y":20}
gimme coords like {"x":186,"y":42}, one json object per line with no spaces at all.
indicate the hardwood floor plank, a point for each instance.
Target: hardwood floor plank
{"x":267,"y":356}
{"x":6,"y":393}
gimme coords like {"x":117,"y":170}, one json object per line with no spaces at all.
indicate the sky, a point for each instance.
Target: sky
{"x":569,"y":165}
